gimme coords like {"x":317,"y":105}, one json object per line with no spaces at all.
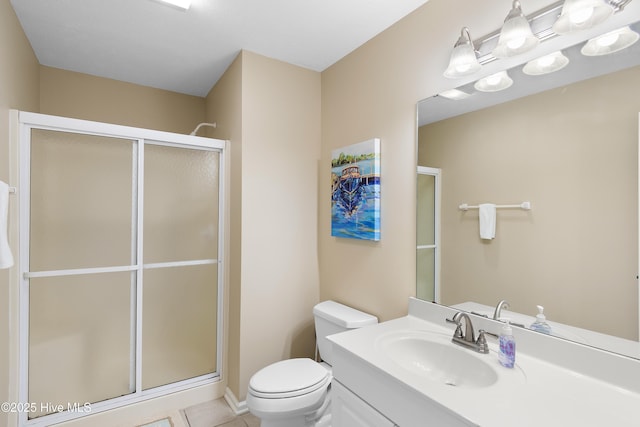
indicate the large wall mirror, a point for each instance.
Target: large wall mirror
{"x":570,"y":149}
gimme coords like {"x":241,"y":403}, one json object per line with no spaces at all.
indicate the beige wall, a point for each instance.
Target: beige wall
{"x":373,"y":93}
{"x":224,"y":107}
{"x":19,"y":89}
{"x":572,"y":152}
{"x":81,"y":96}
{"x":280,"y":154}
{"x":275,"y":156}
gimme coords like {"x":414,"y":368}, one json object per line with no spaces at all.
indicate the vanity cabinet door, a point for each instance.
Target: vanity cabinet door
{"x":348,"y":410}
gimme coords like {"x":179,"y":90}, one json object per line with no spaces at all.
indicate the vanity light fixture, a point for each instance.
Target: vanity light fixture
{"x":463,"y":59}
{"x":494,"y":83}
{"x":180,"y":4}
{"x":561,"y":17}
{"x":581,"y":15}
{"x":546,"y":64}
{"x":515,"y":36}
{"x":455,"y":94}
{"x":610,"y":42}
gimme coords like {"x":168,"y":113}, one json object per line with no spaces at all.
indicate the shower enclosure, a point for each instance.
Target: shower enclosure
{"x":121,"y":245}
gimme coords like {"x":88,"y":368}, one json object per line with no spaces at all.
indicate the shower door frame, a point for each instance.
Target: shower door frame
{"x":26,"y":122}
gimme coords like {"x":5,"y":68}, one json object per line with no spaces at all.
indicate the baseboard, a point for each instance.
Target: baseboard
{"x":238,"y":407}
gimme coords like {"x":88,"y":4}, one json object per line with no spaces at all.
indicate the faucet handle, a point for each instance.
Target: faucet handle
{"x":490,"y":333}
{"x":458,"y":332}
{"x":481,"y":342}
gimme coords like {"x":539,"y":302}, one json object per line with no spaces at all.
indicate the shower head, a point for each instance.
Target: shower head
{"x":213,"y":125}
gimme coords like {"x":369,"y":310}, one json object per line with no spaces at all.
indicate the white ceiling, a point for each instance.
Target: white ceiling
{"x":151,"y":44}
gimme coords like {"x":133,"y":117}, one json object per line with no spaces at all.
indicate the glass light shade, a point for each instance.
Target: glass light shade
{"x":515,"y":36}
{"x":455,"y":94}
{"x":610,"y":42}
{"x":180,"y":4}
{"x":546,"y":64}
{"x":581,"y":14}
{"x":494,"y":83}
{"x":463,"y":59}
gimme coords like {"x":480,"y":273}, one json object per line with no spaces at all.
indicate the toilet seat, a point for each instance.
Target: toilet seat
{"x":289,"y":378}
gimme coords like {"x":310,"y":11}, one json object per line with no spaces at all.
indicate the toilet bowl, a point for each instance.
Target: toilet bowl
{"x":297,"y":392}
{"x":290,"y":393}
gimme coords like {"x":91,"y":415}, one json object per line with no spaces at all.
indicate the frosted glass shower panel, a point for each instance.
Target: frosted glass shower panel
{"x":180,"y":204}
{"x":426,"y":238}
{"x":179,"y":325}
{"x":425,"y":288}
{"x":425,"y":226}
{"x":180,"y":276}
{"x":81,"y":200}
{"x":79,"y":339}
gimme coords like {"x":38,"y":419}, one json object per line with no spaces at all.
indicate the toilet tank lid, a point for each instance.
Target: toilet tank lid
{"x":344,"y":316}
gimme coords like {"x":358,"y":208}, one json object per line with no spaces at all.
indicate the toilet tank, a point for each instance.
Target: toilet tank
{"x":331,"y":318}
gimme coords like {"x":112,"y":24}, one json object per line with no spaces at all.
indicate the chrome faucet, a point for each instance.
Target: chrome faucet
{"x":498,"y":311}
{"x":468,"y":338}
{"x":502,"y":304}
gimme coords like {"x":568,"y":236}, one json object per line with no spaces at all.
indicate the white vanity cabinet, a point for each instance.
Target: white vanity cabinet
{"x":348,"y":410}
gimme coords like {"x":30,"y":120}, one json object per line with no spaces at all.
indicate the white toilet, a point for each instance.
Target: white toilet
{"x":295,"y":392}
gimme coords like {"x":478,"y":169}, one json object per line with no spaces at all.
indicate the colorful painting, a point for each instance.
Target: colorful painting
{"x":355,"y":191}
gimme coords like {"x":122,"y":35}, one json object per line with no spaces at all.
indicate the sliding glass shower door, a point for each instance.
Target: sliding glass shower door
{"x":121,"y":262}
{"x":181,"y":202}
{"x":80,"y":228}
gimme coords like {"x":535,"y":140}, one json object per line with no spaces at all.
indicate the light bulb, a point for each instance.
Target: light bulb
{"x":463,"y":68}
{"x":581,"y":16}
{"x":454,"y":94}
{"x":610,"y":42}
{"x":493,"y":80}
{"x":516,"y":36}
{"x":546,"y":61}
{"x":546,"y":64}
{"x":516,"y":42}
{"x":608,"y":39}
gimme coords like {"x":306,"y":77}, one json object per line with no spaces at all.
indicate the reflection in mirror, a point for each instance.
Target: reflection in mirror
{"x":428,"y":234}
{"x":572,"y":151}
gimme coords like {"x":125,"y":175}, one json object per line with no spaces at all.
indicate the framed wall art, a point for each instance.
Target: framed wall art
{"x":355,"y":191}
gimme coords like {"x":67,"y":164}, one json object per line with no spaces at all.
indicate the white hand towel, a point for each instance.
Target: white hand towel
{"x":6,"y":258}
{"x":487,"y":218}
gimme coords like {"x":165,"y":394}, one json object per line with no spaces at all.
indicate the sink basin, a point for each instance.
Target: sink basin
{"x":435,"y":357}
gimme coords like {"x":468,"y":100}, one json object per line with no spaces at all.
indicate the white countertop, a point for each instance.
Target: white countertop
{"x":534,"y":393}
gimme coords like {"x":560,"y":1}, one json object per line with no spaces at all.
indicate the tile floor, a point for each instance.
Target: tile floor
{"x":216,"y":413}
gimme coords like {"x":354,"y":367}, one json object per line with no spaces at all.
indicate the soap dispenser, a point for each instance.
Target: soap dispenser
{"x":541,"y":325}
{"x":507,"y":353}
